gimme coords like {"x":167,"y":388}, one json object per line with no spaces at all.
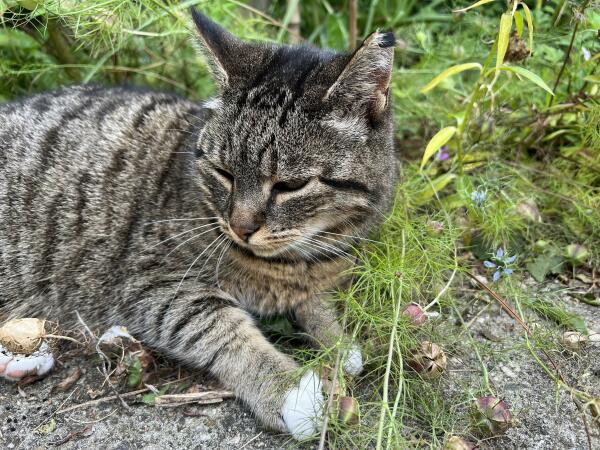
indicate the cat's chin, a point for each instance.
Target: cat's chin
{"x":264,"y":252}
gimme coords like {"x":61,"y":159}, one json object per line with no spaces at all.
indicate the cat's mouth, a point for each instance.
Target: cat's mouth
{"x":263,"y":244}
{"x":263,"y":250}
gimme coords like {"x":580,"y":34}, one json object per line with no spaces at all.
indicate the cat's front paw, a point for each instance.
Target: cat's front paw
{"x":353,"y":362}
{"x":15,"y":367}
{"x":303,"y":407}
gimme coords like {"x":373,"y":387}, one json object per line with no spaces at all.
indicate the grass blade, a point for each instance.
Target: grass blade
{"x":474,"y":5}
{"x":529,"y":25}
{"x":447,"y":73}
{"x":529,"y":75}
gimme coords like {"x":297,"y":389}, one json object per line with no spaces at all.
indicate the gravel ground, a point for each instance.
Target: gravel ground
{"x":545,"y":419}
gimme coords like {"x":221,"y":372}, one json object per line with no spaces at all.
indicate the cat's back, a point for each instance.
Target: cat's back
{"x":83,"y":118}
{"x":78,"y":168}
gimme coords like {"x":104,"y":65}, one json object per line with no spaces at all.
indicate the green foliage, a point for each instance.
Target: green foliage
{"x":520,"y":130}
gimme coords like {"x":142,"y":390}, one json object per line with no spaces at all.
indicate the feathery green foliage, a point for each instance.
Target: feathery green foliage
{"x":523,"y":165}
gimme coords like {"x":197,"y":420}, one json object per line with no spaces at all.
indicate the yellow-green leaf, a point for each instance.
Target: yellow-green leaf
{"x":474,"y":5}
{"x":529,"y":25}
{"x":436,"y":142}
{"x":555,"y":134}
{"x":519,"y":23}
{"x":449,"y":72}
{"x":592,"y":78}
{"x":453,"y":201}
{"x":503,"y":37}
{"x":529,"y":75}
{"x":434,"y":187}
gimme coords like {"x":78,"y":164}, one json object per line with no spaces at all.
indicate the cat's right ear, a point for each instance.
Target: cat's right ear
{"x":221,"y":48}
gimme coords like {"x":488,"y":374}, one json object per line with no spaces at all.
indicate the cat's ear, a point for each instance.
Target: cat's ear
{"x":221,"y":48}
{"x":363,"y":85}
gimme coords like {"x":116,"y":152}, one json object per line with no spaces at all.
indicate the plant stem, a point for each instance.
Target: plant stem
{"x":568,"y":54}
{"x":352,"y":25}
{"x":388,"y":368}
{"x":61,"y":48}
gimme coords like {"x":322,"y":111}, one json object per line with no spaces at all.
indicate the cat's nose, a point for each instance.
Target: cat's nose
{"x":245,"y":229}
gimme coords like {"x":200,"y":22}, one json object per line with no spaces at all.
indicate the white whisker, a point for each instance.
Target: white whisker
{"x":220,"y":242}
{"x":183,"y":219}
{"x":192,"y":265}
{"x":189,"y":239}
{"x":182,"y":233}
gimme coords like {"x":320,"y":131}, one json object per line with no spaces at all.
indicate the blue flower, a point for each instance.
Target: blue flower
{"x":443,"y":154}
{"x":501,"y":264}
{"x":479,"y":197}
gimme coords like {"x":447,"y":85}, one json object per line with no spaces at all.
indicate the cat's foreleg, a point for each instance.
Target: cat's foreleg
{"x":319,"y":319}
{"x":208,"y":330}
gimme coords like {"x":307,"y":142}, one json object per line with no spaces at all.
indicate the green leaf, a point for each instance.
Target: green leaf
{"x":453,"y":201}
{"x":577,"y":324}
{"x":519,"y":23}
{"x":593,"y":78}
{"x":449,"y":72}
{"x":474,"y":5}
{"x":434,"y":187}
{"x":503,"y":38}
{"x":436,"y":142}
{"x":17,"y":39}
{"x":134,"y":377}
{"x":541,"y":266}
{"x":529,"y":25}
{"x":529,"y":75}
{"x":149,"y":399}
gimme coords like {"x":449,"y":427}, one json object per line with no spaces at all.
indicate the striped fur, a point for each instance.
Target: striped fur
{"x":116,"y":204}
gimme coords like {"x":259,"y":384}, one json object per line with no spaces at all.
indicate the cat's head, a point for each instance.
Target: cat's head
{"x":297,"y":153}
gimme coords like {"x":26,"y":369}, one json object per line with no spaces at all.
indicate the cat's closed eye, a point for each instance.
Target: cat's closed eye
{"x":289,"y":186}
{"x":223,"y":173}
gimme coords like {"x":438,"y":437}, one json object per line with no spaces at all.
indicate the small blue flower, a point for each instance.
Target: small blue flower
{"x":479,"y":197}
{"x":443,"y":154}
{"x":587,"y":55}
{"x":501,"y":264}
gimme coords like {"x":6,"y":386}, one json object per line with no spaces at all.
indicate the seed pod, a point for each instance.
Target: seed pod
{"x":348,"y":410}
{"x":415,"y":313}
{"x":491,"y":415}
{"x":540,"y":246}
{"x":435,"y":227}
{"x":458,"y":443}
{"x":429,"y":360}
{"x":595,"y":409}
{"x":528,"y":210}
{"x":22,"y":336}
{"x":576,"y":254}
{"x":574,"y":340}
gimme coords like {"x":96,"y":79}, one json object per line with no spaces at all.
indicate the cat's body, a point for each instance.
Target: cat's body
{"x":143,"y":209}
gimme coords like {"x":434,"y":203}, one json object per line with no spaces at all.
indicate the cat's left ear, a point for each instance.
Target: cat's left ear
{"x":365,"y":81}
{"x":225,"y":53}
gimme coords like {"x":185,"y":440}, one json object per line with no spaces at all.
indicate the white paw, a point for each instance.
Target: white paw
{"x":303,"y":407}
{"x":353,"y":363}
{"x":15,"y":367}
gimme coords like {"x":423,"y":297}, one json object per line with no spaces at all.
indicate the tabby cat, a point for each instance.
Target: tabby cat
{"x":185,"y":221}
